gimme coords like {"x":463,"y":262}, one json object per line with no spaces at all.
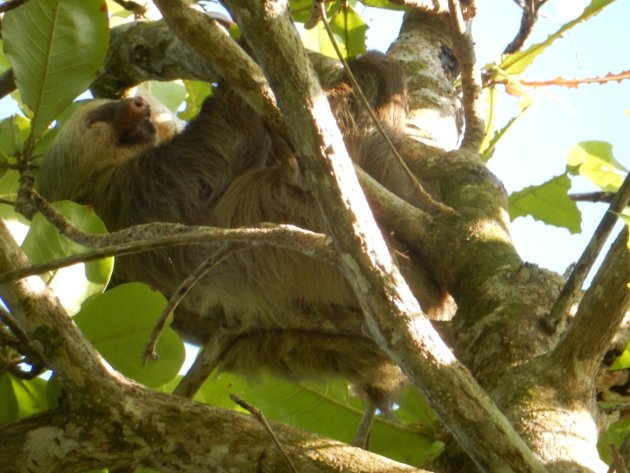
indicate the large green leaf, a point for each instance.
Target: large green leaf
{"x":119,"y":323}
{"x":595,"y":161}
{"x":55,"y":48}
{"x":44,"y":243}
{"x":327,"y":409}
{"x":517,"y":63}
{"x":548,"y":202}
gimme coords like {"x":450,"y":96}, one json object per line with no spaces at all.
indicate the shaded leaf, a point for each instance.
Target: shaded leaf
{"x":21,"y":398}
{"x":595,"y":161}
{"x":119,"y":322}
{"x":548,"y":202}
{"x":44,"y":243}
{"x":13,"y":134}
{"x":325,"y":408}
{"x":55,"y":48}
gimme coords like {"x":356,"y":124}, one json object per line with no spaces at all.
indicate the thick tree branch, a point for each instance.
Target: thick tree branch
{"x":232,"y":63}
{"x":394,"y":318}
{"x":143,"y":51}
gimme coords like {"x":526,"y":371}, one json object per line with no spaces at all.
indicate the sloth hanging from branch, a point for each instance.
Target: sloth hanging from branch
{"x":267,"y":308}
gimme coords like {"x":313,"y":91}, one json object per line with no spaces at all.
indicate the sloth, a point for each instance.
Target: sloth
{"x":292,"y":315}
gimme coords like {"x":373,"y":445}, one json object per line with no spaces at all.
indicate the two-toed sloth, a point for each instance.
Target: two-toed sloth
{"x":227,"y":169}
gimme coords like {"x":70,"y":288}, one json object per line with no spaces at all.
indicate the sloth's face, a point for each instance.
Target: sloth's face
{"x":128,"y":120}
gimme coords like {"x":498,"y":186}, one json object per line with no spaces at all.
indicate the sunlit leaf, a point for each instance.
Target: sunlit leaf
{"x":327,"y":409}
{"x":548,"y":202}
{"x":44,"y":243}
{"x":55,"y":48}
{"x":119,"y":323}
{"x":301,"y":10}
{"x":348,"y":25}
{"x":386,"y":4}
{"x":595,"y":161}
{"x":196,"y":93}
{"x":170,"y":94}
{"x":517,"y":63}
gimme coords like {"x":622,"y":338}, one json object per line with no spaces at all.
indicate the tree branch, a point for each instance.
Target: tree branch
{"x":148,"y":50}
{"x":152,"y":236}
{"x":125,"y":424}
{"x":601,"y":310}
{"x":464,"y":50}
{"x":232,"y":63}
{"x":573,"y":285}
{"x":394,"y":319}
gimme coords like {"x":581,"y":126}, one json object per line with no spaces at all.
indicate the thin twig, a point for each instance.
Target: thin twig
{"x":153,"y":236}
{"x":261,"y":418}
{"x":593,"y":197}
{"x":362,"y":436}
{"x":356,"y":88}
{"x":573,"y":285}
{"x":180,"y":293}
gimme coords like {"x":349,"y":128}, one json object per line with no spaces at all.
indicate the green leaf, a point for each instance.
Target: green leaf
{"x":55,"y":48}
{"x":170,"y":94}
{"x":17,"y":224}
{"x":517,"y":63}
{"x":21,"y":398}
{"x":595,"y":161}
{"x":4,"y":62}
{"x":327,"y":409}
{"x":490,"y":143}
{"x":615,"y":435}
{"x":119,"y":323}
{"x":44,"y":243}
{"x":13,"y":134}
{"x":548,"y":202}
{"x":196,"y":94}
{"x":301,"y":10}
{"x":625,"y":216}
{"x":349,"y":25}
{"x":384,"y":4}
